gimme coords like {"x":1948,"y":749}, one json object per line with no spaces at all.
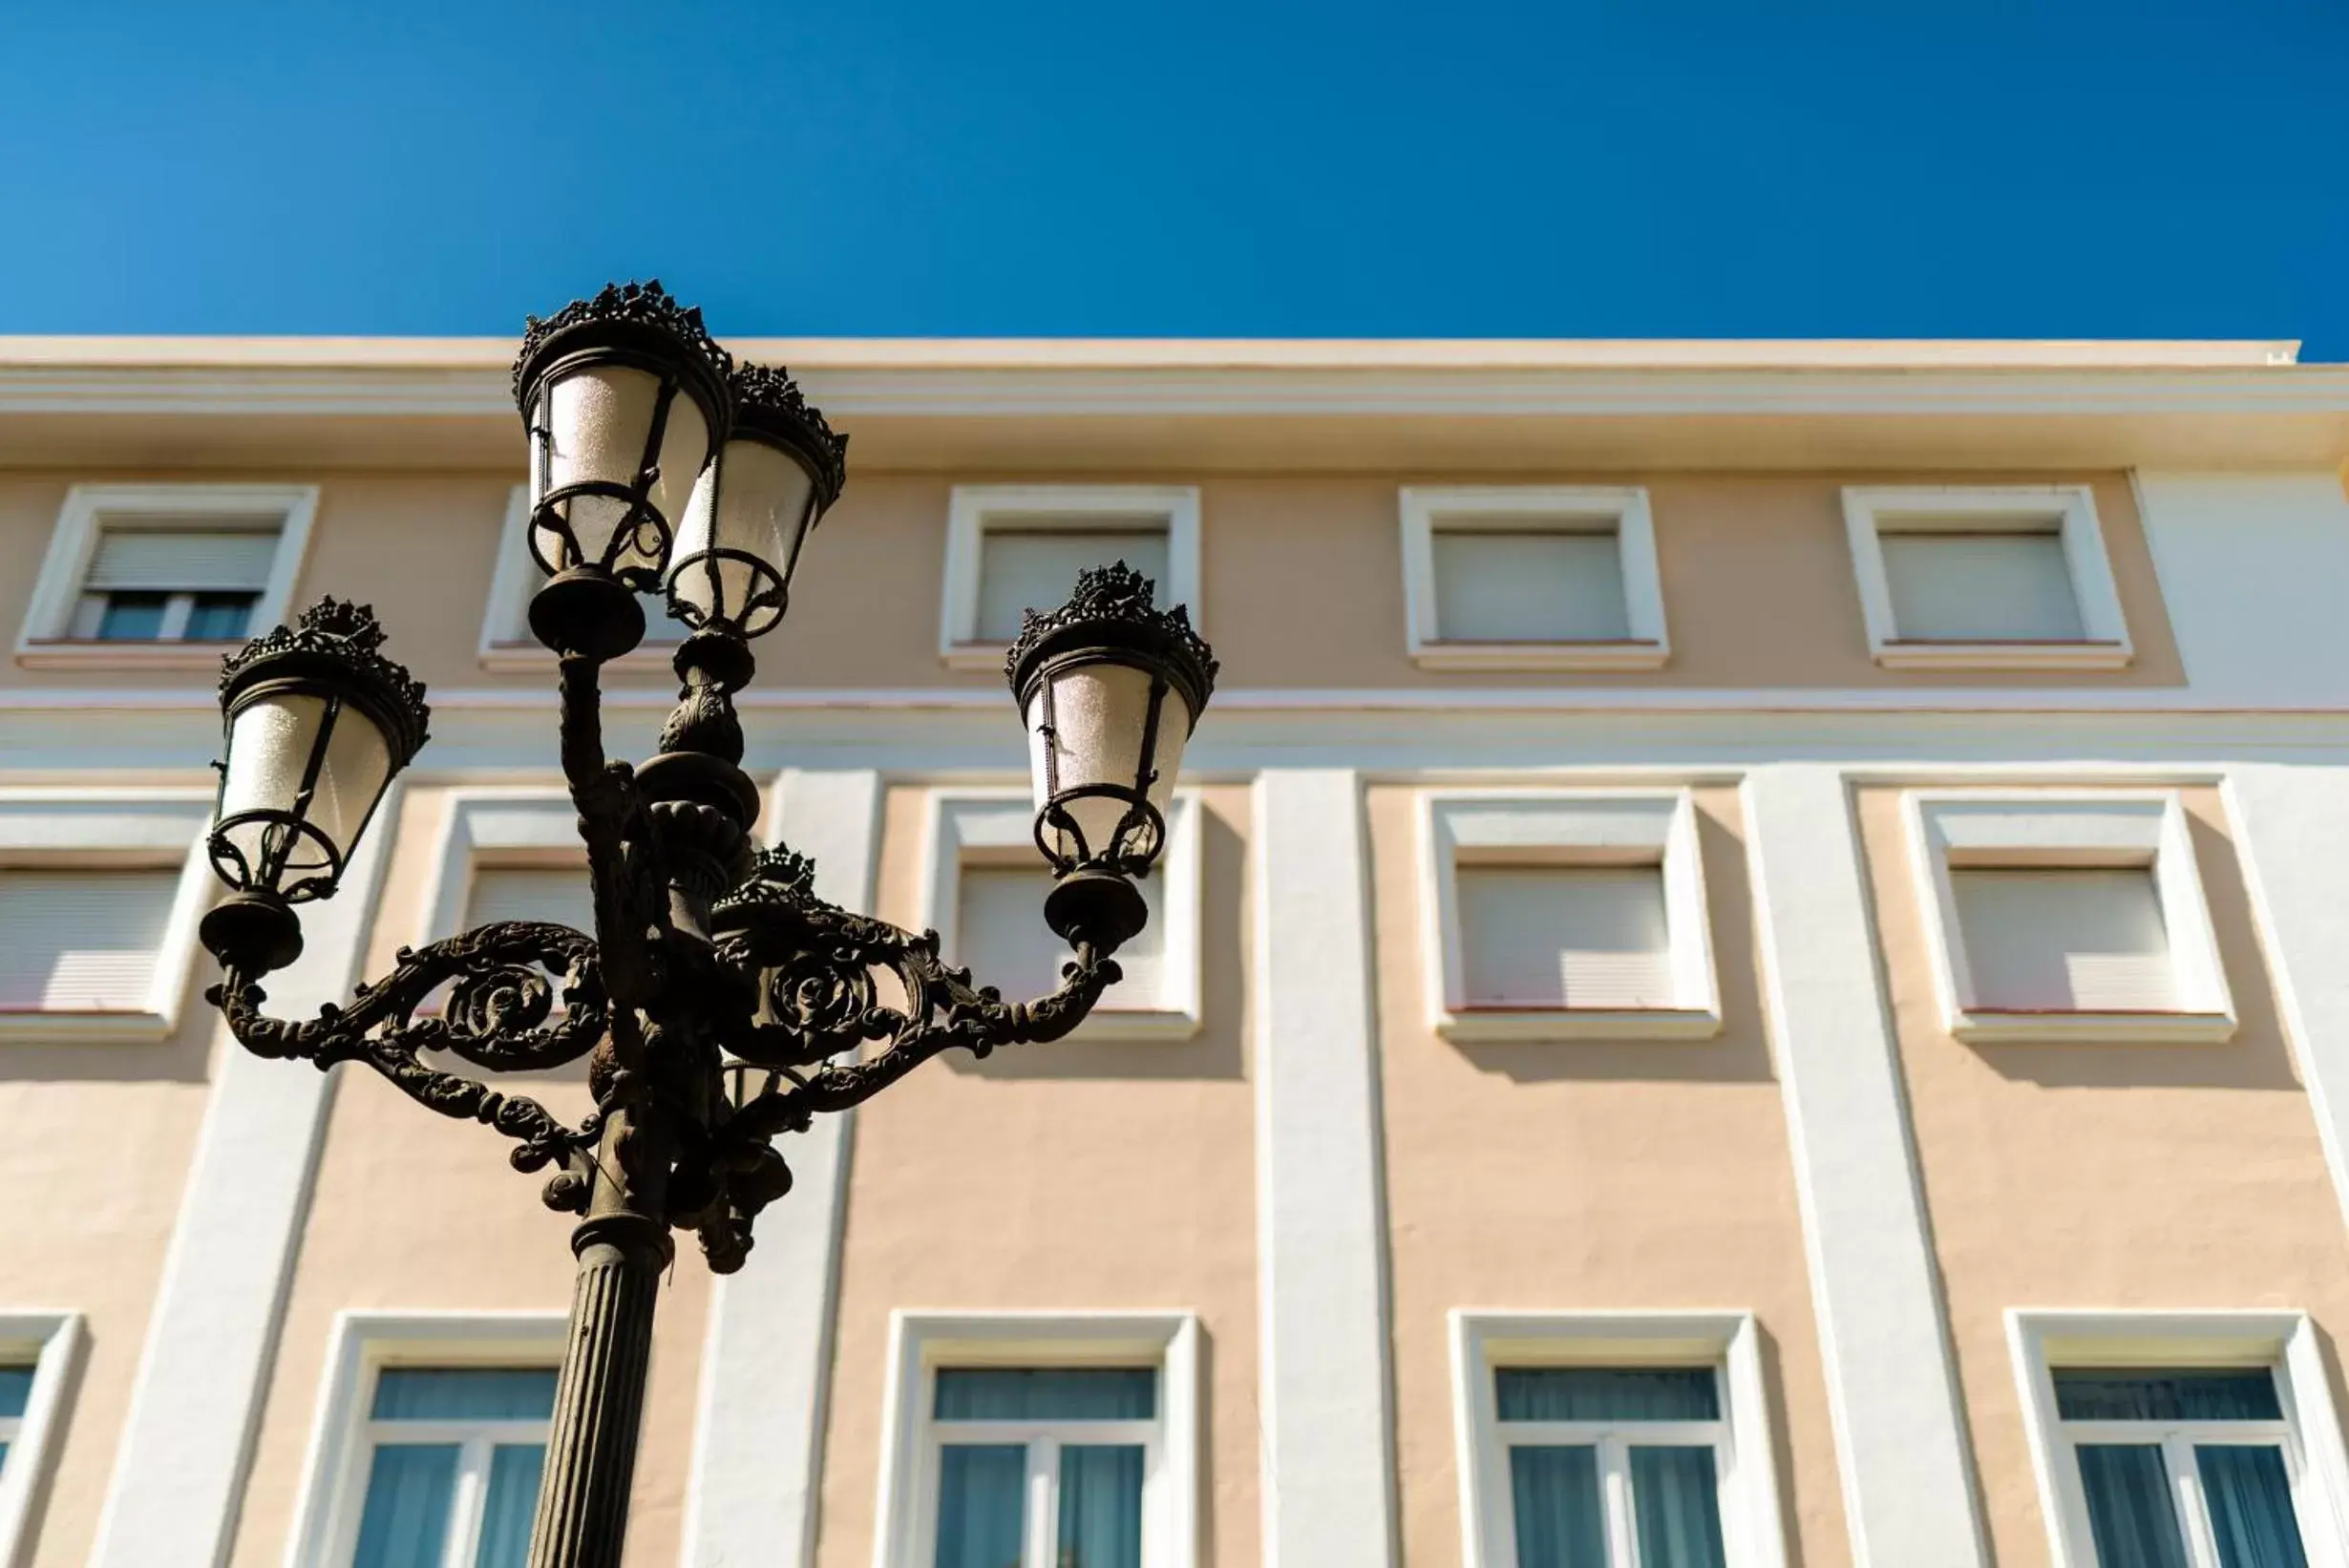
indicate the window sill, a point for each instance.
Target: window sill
{"x":64,"y":654}
{"x":2082,"y":655}
{"x":1137,"y":1024}
{"x":535,"y":659}
{"x":24,"y":1023}
{"x":1995,"y":1026}
{"x":1633,"y":653}
{"x":1472,"y":1024}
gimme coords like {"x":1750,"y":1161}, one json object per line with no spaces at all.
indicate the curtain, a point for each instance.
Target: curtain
{"x":2251,"y":1507}
{"x":512,"y":1501}
{"x":464,"y":1393}
{"x":1101,"y":1505}
{"x":1046,"y":1393}
{"x":405,"y":1523}
{"x":982,"y":1505}
{"x":2166,"y":1395}
{"x":1677,"y":1500}
{"x":1607,"y":1394}
{"x":2130,"y":1511}
{"x":1553,"y":1494}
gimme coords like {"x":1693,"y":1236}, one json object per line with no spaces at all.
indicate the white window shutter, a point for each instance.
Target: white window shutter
{"x":1564,"y":937}
{"x":82,"y":940}
{"x":1000,"y":934}
{"x":1036,"y":568}
{"x":183,"y":560}
{"x":1981,"y":589}
{"x":1493,"y":587}
{"x":558,"y":894}
{"x":2063,"y":939}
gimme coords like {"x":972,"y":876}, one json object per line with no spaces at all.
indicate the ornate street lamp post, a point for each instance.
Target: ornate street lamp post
{"x":720,"y":1002}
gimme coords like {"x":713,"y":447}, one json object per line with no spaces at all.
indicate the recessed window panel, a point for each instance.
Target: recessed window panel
{"x":82,"y":939}
{"x":2065,"y":940}
{"x":1515,"y":585}
{"x":1036,"y":568}
{"x":999,"y":932}
{"x":1980,"y":587}
{"x":558,"y":894}
{"x":1564,"y":937}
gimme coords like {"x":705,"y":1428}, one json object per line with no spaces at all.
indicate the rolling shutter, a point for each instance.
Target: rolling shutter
{"x":1981,"y":589}
{"x":559,"y":894}
{"x":82,"y":940}
{"x":1529,"y":588}
{"x":1036,"y":568}
{"x":2065,"y":940}
{"x":183,"y":560}
{"x":1564,"y":937}
{"x":1000,"y":933}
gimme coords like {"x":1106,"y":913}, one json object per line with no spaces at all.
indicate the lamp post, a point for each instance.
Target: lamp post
{"x":720,"y":1003}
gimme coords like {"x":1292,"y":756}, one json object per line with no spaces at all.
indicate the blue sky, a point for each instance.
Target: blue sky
{"x":1270,"y":169}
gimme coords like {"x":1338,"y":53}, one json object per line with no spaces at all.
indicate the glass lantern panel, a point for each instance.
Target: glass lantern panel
{"x":1099,"y":712}
{"x":599,"y":421}
{"x":268,"y":752}
{"x":762,"y":507}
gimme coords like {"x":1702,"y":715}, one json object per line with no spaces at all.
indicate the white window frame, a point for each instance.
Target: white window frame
{"x":1622,"y":510}
{"x":974,"y":508}
{"x":2284,"y":1343}
{"x":2027,"y":829}
{"x":1754,"y":1534}
{"x":1552,"y":827}
{"x":45,"y":642}
{"x":334,"y":1470}
{"x":920,"y":1342}
{"x":529,"y":824}
{"x":507,"y":646}
{"x":2103,"y":643}
{"x":973,"y":824}
{"x":51,"y":1341}
{"x":65,"y":830}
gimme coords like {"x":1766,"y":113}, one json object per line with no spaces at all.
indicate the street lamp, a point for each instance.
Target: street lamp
{"x":720,"y":1001}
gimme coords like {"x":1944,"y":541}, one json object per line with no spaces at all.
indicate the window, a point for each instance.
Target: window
{"x":986,"y":890}
{"x":1562,"y":914}
{"x":99,"y":896}
{"x":1013,"y":548}
{"x":1531,"y":578}
{"x":431,"y":1438}
{"x":1043,"y":1439}
{"x":37,"y":1355}
{"x":2058,"y":915}
{"x":142,"y":576}
{"x":2181,"y":1442}
{"x":506,"y":642}
{"x":559,"y":894}
{"x":1985,"y":579}
{"x":1614,"y":1442}
{"x":508,"y":855}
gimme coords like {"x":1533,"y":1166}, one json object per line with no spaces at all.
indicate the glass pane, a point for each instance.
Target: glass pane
{"x":220,"y":617}
{"x":512,"y":1499}
{"x":132,"y":618}
{"x":2166,"y":1394}
{"x":1677,"y":1498}
{"x":1553,"y":1497}
{"x":465,"y":1394}
{"x":2250,"y":1499}
{"x":1607,"y":1394}
{"x":15,"y":1388}
{"x":4,"y":1458}
{"x":982,"y":1505}
{"x":1046,"y":1393}
{"x":405,"y":1522}
{"x":1100,"y":1507}
{"x":2129,"y":1508}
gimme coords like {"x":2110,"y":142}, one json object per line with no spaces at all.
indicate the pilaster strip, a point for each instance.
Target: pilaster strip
{"x":1325,"y":1415}
{"x":767,"y":1361}
{"x":180,"y":1471}
{"x":1901,"y":1436}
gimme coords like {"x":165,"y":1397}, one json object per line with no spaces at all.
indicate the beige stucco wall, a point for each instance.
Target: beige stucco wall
{"x":1302,"y":580}
{"x":101,"y":1136}
{"x":1589,"y":1175}
{"x":2103,"y":1175}
{"x":1111,"y":1174}
{"x":416,"y":1213}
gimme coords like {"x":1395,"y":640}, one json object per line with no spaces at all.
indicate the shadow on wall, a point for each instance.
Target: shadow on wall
{"x":1739,"y":1054}
{"x":185,"y":1058}
{"x":1214,"y":1052}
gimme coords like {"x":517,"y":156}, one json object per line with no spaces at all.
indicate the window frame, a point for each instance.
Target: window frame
{"x":361,"y":1344}
{"x":160,"y":828}
{"x":968,"y":824}
{"x":2284,"y":1343}
{"x":1566,"y":828}
{"x":2105,"y":641}
{"x":1428,"y":511}
{"x":54,"y":1339}
{"x":43,"y":641}
{"x":919,"y":1343}
{"x":507,"y":647}
{"x":518,"y":825}
{"x":1753,"y":1533}
{"x":973,"y":508}
{"x":1988,"y":829}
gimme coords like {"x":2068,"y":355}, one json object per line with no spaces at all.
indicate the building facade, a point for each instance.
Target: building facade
{"x":1747,"y":972}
